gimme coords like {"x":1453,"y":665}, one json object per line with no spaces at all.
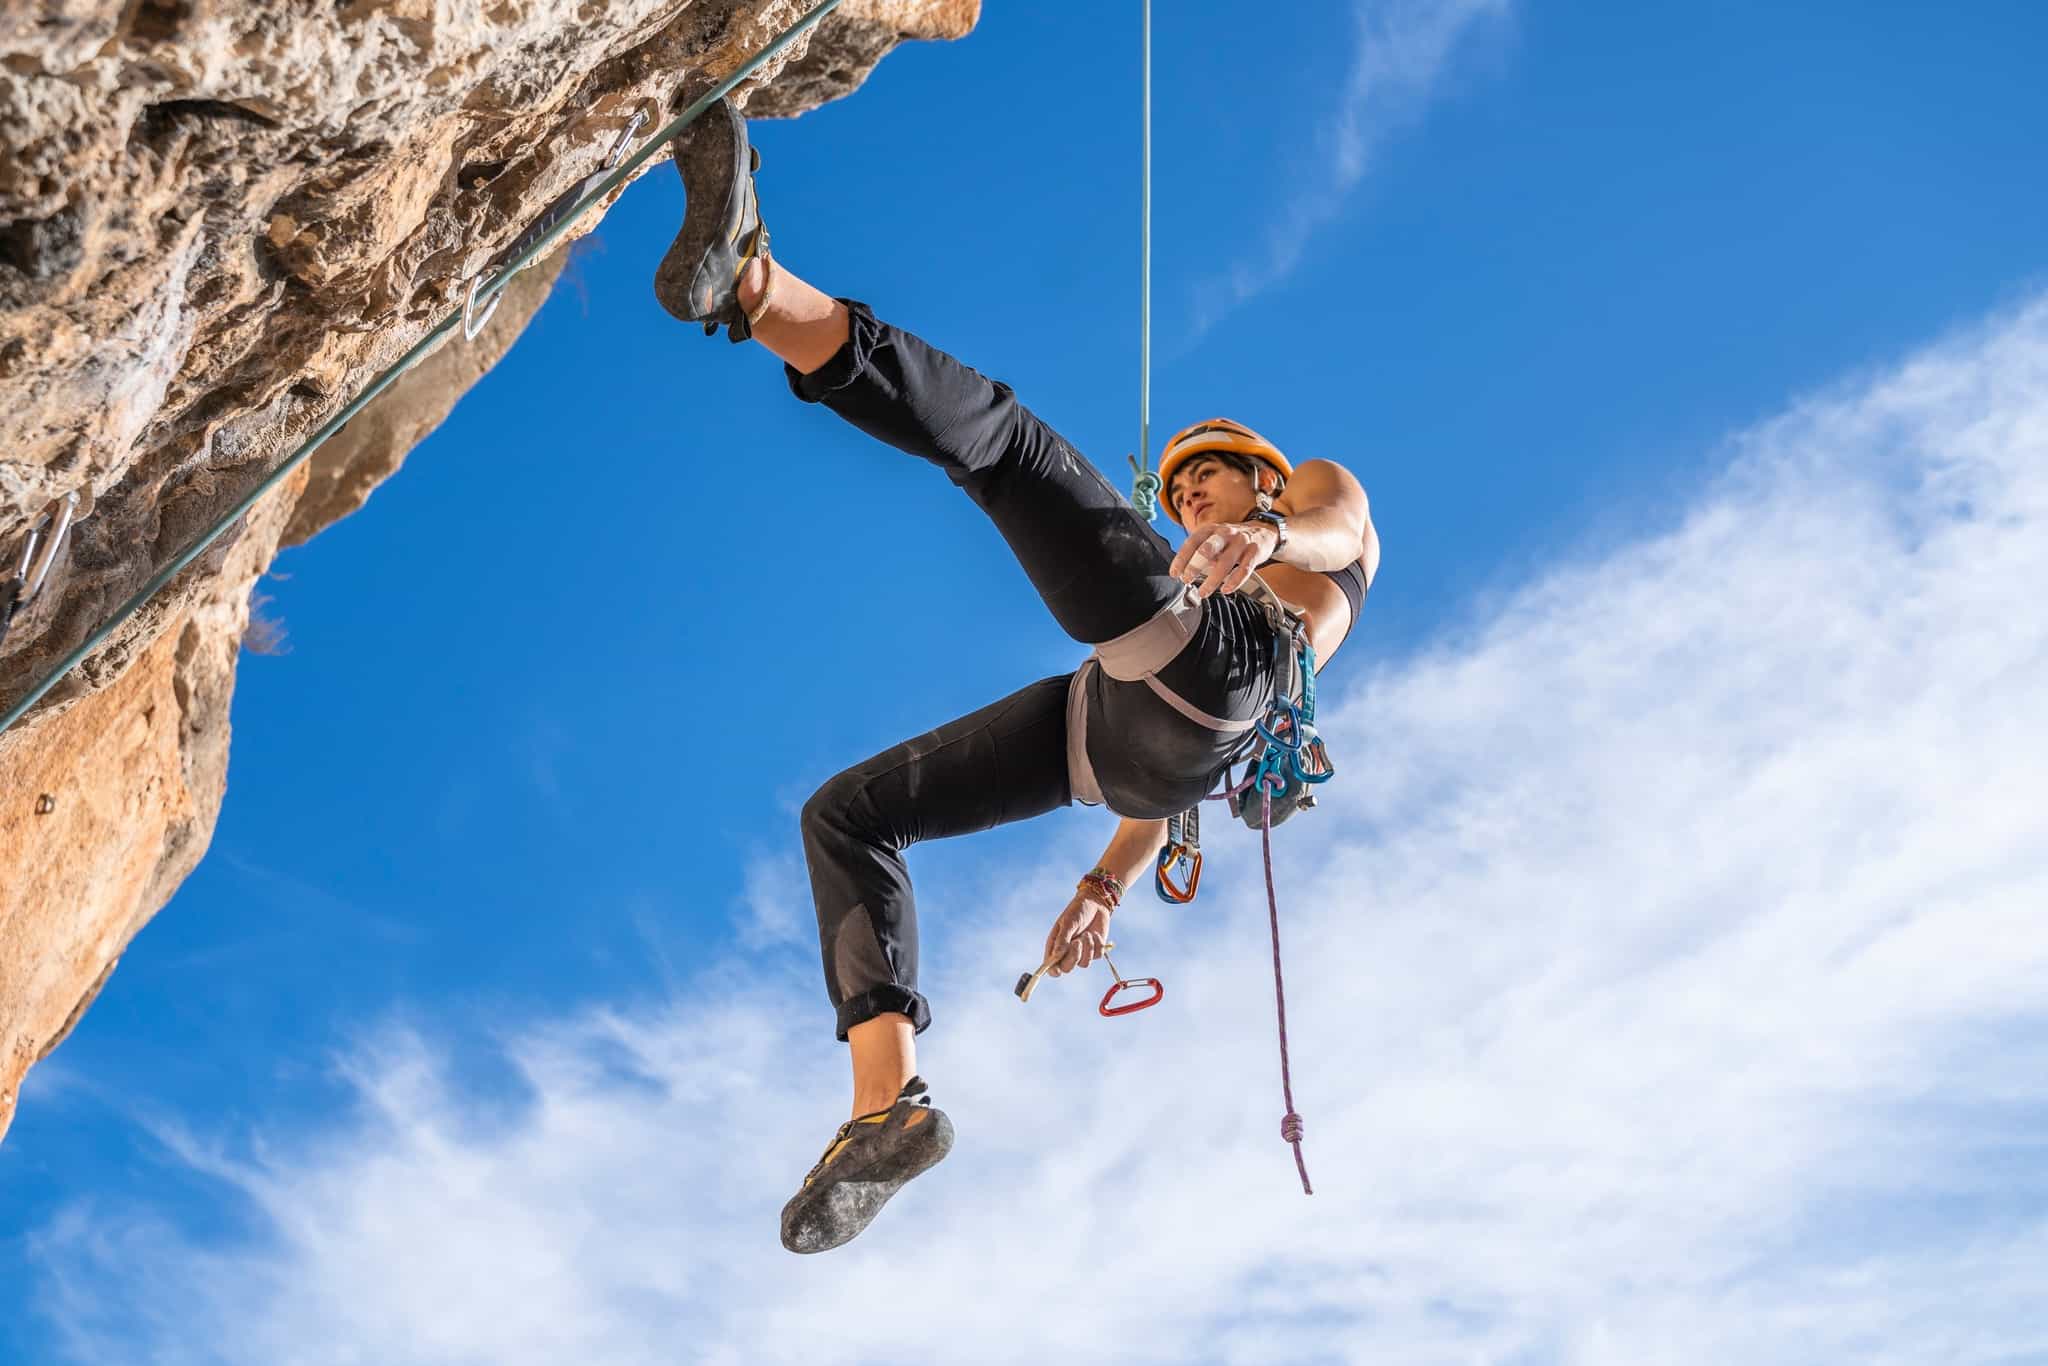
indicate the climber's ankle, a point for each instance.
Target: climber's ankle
{"x":753,"y":278}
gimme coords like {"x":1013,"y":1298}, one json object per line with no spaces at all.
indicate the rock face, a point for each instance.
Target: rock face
{"x":218,"y":221}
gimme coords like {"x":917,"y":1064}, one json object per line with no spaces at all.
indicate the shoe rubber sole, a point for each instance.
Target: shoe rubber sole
{"x":837,"y":1205}
{"x":698,"y":278}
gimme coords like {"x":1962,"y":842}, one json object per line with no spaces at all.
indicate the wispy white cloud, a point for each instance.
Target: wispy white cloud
{"x":1670,"y":991}
{"x":298,"y":908}
{"x":1402,"y":51}
{"x":775,"y":898}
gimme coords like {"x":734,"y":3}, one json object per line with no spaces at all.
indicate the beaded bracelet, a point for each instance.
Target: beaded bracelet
{"x":1101,"y":874}
{"x":1105,"y":882}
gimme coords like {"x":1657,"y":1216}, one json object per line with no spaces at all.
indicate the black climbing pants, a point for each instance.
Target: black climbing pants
{"x":1101,"y":570}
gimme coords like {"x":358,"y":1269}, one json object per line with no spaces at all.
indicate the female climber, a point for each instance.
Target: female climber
{"x":1184,"y":662}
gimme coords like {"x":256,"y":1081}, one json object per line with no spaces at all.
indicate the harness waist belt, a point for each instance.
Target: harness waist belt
{"x":1080,"y":773}
{"x":1152,"y":644}
{"x":1139,"y":653}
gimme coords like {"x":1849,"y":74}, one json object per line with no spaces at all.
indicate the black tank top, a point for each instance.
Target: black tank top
{"x":1351,"y":579}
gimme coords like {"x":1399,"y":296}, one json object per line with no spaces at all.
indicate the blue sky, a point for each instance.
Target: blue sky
{"x":1675,"y":895}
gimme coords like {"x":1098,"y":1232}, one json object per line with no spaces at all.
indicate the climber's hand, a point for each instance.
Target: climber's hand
{"x":1079,"y":936}
{"x":1218,"y":557}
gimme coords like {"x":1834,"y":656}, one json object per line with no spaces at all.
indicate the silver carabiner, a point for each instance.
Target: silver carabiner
{"x":34,"y":570}
{"x":39,"y":551}
{"x":625,"y":140}
{"x":471,"y":324}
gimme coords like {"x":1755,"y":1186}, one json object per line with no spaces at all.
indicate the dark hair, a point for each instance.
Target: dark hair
{"x":1243,"y":464}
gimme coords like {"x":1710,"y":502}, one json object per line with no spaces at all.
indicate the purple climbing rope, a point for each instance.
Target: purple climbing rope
{"x":1290,"y":1123}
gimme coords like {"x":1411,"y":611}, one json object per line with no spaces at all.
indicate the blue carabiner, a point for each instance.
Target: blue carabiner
{"x":1280,"y":727}
{"x":1272,"y":772}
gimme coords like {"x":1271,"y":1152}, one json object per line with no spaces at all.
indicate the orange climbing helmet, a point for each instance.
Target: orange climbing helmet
{"x":1217,"y":434}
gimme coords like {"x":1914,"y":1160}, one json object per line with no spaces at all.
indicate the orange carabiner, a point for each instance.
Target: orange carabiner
{"x":1172,"y":859}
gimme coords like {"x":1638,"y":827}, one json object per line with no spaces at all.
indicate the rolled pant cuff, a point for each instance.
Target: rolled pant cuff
{"x":880,"y":1001}
{"x":847,"y":363}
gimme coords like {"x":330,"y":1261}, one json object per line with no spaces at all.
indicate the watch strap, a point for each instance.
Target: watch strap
{"x":1277,"y":522}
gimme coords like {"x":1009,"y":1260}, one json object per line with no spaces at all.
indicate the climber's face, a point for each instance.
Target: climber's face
{"x":1211,"y":489}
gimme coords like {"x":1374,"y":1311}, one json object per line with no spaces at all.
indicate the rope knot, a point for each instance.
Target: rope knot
{"x":1290,"y":1127}
{"x":1145,"y":492}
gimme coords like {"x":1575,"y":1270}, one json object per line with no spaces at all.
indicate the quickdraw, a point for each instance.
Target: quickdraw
{"x":567,"y":206}
{"x":39,"y":551}
{"x":1127,"y":984}
{"x":1028,"y":983}
{"x":1178,"y":874}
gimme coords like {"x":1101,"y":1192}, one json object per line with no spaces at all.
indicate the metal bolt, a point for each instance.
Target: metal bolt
{"x":45,"y":804}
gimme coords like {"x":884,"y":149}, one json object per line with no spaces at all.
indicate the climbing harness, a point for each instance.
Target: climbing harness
{"x":39,"y":551}
{"x":1138,"y":654}
{"x":482,"y":295}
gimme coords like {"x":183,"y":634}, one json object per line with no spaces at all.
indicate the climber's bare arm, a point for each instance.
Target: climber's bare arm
{"x":1329,"y":524}
{"x":803,"y":326}
{"x":1080,"y":934}
{"x":1132,"y":849}
{"x":1328,"y":518}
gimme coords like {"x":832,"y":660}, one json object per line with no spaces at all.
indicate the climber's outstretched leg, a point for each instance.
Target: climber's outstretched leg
{"x":1098,"y":565}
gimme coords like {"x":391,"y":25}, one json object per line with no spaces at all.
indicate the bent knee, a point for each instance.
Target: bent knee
{"x":840,"y":804}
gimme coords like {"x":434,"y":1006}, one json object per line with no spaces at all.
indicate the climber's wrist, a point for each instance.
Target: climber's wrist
{"x":1102,"y":887}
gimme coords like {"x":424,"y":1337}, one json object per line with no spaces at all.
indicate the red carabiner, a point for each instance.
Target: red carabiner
{"x":1158,"y":994}
{"x":1171,"y":857}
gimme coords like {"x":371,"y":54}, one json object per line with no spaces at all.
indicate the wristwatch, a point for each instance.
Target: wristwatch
{"x":1277,"y":522}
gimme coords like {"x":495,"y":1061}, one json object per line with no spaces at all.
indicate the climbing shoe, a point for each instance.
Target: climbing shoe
{"x":699,"y":279}
{"x":867,"y":1161}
